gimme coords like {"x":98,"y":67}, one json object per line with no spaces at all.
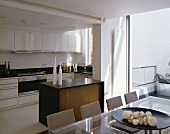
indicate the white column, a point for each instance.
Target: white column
{"x":97,"y":51}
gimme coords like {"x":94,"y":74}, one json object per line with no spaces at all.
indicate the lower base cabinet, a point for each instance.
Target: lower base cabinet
{"x":8,"y":102}
{"x":9,"y":97}
{"x":8,"y":93}
{"x":81,"y":75}
{"x":28,"y":99}
{"x":65,"y":76}
{"x":18,"y":101}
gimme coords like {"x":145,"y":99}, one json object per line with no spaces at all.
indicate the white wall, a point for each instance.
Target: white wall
{"x":151,"y":40}
{"x":118,"y":32}
{"x":104,"y":54}
{"x":35,"y":60}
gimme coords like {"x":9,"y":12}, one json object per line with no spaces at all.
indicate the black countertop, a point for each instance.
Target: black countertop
{"x":8,"y":76}
{"x":72,"y":83}
{"x":48,"y":70}
{"x":84,"y":72}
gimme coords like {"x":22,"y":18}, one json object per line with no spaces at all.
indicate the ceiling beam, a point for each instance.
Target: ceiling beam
{"x":51,"y":11}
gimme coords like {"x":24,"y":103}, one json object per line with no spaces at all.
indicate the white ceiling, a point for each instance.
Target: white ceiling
{"x":17,"y":17}
{"x":71,"y":13}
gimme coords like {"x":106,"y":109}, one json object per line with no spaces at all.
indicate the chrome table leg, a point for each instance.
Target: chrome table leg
{"x":150,"y":131}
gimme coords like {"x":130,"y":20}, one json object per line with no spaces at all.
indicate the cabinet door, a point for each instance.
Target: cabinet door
{"x":49,"y":41}
{"x":66,"y":76}
{"x":36,"y":41}
{"x":22,"y":40}
{"x":71,"y":43}
{"x":6,"y":39}
{"x":58,"y":42}
{"x":80,"y":75}
{"x":90,"y":76}
{"x":61,"y":42}
{"x":74,"y":43}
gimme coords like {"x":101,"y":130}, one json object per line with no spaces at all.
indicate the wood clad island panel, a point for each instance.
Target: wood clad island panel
{"x":72,"y":93}
{"x":78,"y":96}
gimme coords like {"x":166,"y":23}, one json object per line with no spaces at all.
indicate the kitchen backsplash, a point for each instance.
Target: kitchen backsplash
{"x":37,"y":60}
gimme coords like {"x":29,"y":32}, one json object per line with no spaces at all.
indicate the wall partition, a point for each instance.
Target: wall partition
{"x":110,"y":55}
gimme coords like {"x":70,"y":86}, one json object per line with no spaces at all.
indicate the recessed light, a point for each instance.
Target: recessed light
{"x":43,"y":23}
{"x":2,"y":17}
{"x":23,"y":21}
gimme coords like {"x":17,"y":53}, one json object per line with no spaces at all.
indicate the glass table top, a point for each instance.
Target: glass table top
{"x":100,"y":124}
{"x":155,"y":103}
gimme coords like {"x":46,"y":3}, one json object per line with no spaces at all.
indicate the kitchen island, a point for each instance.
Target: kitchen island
{"x":73,"y":93}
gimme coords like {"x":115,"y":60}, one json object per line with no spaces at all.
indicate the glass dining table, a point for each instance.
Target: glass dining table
{"x":101,"y":124}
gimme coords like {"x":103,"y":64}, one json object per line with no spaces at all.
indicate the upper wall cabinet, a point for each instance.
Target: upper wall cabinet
{"x":36,"y":39}
{"x":61,"y":43}
{"x":6,"y":39}
{"x":74,"y":43}
{"x":49,"y":41}
{"x":22,"y":40}
{"x":68,"y":43}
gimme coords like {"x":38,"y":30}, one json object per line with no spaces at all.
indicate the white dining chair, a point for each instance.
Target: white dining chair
{"x":130,"y":97}
{"x":113,"y":103}
{"x":90,"y":110}
{"x":60,"y":119}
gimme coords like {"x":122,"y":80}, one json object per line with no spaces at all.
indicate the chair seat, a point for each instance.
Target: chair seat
{"x":122,"y":127}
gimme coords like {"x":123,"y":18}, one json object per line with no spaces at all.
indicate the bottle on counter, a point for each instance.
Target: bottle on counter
{"x":8,"y":70}
{"x":75,"y":67}
{"x":54,"y":72}
{"x":5,"y":71}
{"x":60,"y":76}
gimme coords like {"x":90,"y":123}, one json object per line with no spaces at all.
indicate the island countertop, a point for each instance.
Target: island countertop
{"x":72,"y":83}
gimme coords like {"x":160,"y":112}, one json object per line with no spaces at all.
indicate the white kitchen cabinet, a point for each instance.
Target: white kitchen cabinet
{"x":68,"y":43}
{"x":8,"y":102}
{"x":36,"y":39}
{"x":50,"y":77}
{"x":65,"y":76}
{"x":81,"y":75}
{"x":22,"y":39}
{"x":74,"y":43}
{"x":61,"y":43}
{"x":6,"y":39}
{"x":8,"y":88}
{"x":58,"y":42}
{"x":31,"y":98}
{"x":8,"y":92}
{"x":7,"y":81}
{"x":49,"y":41}
{"x":64,"y":43}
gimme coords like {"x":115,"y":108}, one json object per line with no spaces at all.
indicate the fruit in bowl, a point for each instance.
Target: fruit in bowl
{"x":140,"y":118}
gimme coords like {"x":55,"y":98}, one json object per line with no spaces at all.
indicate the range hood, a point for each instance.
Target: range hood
{"x":22,"y":51}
